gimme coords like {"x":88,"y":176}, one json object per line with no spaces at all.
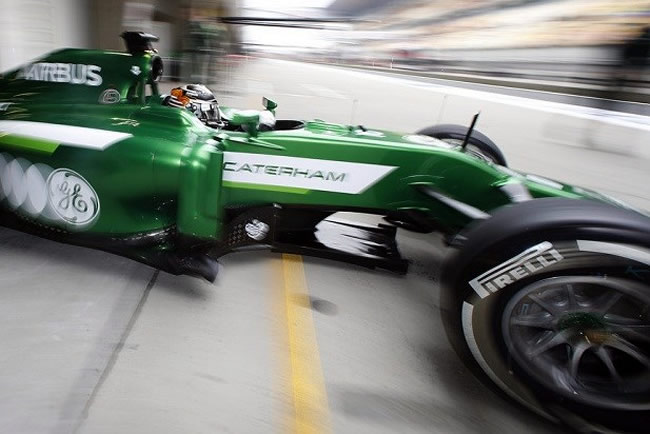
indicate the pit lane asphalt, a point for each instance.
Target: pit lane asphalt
{"x":94,"y":343}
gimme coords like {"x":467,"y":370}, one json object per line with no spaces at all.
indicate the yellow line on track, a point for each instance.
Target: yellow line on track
{"x":308,"y":395}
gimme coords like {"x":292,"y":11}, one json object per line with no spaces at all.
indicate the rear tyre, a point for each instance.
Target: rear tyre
{"x":553,"y":309}
{"x":479,"y":145}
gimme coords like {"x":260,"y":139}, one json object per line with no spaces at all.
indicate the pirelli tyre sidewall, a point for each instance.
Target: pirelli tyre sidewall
{"x":490,"y":278}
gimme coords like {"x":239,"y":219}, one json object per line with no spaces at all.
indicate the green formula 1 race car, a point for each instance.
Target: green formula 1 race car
{"x":547,"y":296}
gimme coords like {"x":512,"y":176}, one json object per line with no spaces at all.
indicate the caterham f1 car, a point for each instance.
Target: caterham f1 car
{"x":547,"y":293}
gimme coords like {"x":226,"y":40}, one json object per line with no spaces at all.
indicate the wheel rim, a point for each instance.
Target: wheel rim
{"x":584,"y":337}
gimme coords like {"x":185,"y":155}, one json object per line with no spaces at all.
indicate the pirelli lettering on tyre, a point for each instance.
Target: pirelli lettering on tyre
{"x":302,"y":173}
{"x":530,"y":261}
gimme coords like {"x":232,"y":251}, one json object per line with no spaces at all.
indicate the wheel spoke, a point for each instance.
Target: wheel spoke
{"x":543,"y":304}
{"x":540,"y":338}
{"x":630,"y":327}
{"x":605,"y":357}
{"x":576,"y":356}
{"x":543,"y":321}
{"x":621,"y":344}
{"x":583,"y":337}
{"x":635,"y":332}
{"x":610,"y":300}
{"x":573,"y":304}
{"x":623,"y":320}
{"x":554,"y":341}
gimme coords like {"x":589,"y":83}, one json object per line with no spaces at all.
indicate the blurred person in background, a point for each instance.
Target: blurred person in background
{"x":634,"y":59}
{"x":628,"y":70}
{"x":205,"y":43}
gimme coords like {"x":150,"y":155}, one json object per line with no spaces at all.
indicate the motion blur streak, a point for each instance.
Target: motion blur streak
{"x":308,"y":395}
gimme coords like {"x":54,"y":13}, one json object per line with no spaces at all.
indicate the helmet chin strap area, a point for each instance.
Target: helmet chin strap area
{"x":198,"y":99}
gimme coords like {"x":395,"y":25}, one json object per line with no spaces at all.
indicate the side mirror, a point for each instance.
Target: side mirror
{"x":270,"y":105}
{"x":249,"y":119}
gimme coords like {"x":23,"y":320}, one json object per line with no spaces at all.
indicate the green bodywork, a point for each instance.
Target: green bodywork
{"x":174,"y":171}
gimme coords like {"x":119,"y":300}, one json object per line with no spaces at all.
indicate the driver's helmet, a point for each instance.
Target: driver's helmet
{"x":198,"y":99}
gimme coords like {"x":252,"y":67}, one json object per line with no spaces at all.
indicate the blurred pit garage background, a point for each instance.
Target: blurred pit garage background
{"x":92,"y":343}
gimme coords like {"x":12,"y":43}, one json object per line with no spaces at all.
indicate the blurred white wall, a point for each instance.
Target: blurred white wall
{"x":164,"y":31}
{"x":137,"y":16}
{"x":31,"y":28}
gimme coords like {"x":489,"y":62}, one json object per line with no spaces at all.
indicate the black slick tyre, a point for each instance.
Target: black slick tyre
{"x":479,"y":145}
{"x":549,"y":302}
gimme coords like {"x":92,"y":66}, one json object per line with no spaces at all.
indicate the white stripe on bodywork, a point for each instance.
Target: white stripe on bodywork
{"x":79,"y":137}
{"x":622,"y":250}
{"x":357,"y":176}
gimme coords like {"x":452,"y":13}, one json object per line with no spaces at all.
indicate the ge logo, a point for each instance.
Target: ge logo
{"x":72,"y":197}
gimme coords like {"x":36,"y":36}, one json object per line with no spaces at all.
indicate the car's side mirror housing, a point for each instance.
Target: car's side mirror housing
{"x":269,"y":104}
{"x":249,"y":119}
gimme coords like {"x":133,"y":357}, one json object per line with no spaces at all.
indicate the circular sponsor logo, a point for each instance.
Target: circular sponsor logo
{"x":110,"y":96}
{"x":72,"y":197}
{"x":257,"y":230}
